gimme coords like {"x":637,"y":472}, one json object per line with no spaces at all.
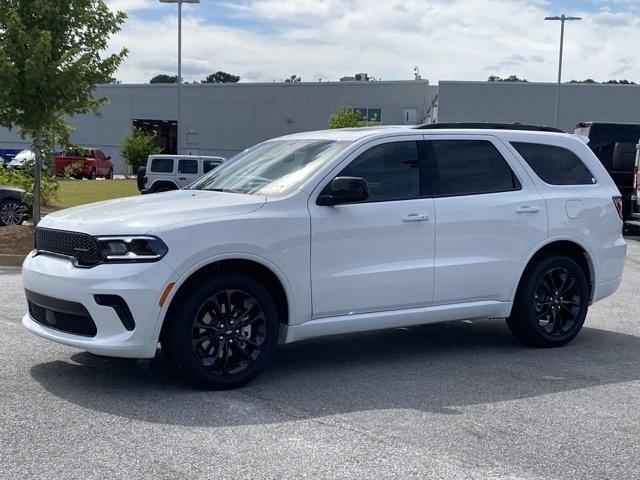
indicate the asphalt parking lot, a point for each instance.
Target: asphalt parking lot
{"x":459,"y":400}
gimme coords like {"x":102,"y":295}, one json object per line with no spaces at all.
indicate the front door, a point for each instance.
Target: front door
{"x":376,"y":255}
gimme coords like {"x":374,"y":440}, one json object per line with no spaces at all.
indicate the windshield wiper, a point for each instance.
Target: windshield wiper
{"x":225,"y":190}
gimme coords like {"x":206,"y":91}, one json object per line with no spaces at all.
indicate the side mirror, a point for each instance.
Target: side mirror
{"x":108,"y":157}
{"x":344,"y":190}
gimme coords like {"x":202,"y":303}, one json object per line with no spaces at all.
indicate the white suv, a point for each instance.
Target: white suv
{"x":333,"y":232}
{"x":171,"y":172}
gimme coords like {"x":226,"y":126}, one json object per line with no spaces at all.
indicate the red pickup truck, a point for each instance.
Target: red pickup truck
{"x":85,"y":163}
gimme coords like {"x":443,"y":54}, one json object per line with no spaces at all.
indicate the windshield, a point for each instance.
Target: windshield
{"x":271,"y":168}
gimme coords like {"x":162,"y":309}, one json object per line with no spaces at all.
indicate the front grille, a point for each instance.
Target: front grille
{"x":65,"y":322}
{"x":80,"y":246}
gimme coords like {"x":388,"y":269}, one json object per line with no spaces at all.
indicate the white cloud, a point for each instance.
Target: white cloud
{"x":458,"y":39}
{"x":130,"y":5}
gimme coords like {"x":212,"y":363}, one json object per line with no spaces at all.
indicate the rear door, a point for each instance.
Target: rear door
{"x":489,"y":218}
{"x":189,"y":170}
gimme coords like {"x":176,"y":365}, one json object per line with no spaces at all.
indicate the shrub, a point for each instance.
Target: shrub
{"x":137,"y":146}
{"x":24,"y":179}
{"x":348,"y":117}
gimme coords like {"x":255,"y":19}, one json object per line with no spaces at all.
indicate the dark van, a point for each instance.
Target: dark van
{"x":615,"y":145}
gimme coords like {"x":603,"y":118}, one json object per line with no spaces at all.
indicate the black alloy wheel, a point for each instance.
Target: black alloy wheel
{"x":551,"y":303}
{"x":229,"y":332}
{"x":224,"y":333}
{"x":11,"y":212}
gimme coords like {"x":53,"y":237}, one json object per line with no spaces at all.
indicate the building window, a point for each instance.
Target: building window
{"x":370,"y":114}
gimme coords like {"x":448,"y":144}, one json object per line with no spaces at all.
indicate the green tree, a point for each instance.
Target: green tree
{"x":293,"y":79}
{"x":221,"y":77}
{"x":162,"y":78}
{"x":348,"y":117}
{"x":510,"y":78}
{"x":136,"y":147}
{"x":51,"y":58}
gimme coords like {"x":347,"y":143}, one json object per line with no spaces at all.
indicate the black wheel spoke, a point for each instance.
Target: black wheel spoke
{"x":557,"y":301}
{"x":228,"y":332}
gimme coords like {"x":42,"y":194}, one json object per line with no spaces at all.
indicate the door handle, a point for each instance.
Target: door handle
{"x":527,"y":209}
{"x":415,"y":217}
{"x":182,"y":178}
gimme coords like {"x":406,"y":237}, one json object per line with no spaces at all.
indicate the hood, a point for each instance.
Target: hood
{"x":7,"y":188}
{"x":141,"y":214}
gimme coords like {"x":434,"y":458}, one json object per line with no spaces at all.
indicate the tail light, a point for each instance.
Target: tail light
{"x":617,"y":200}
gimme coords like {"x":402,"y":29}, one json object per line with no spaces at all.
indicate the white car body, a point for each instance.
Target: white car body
{"x":183,"y":170}
{"x":21,"y":158}
{"x":347,"y":268}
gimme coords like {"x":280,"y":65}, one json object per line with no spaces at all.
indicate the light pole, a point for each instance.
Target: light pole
{"x":561,"y":19}
{"x":179,"y":2}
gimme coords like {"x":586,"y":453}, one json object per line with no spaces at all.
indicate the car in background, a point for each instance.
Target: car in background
{"x":7,"y":154}
{"x":84,"y":162}
{"x":21,"y":160}
{"x":12,"y":208}
{"x":615,"y":146}
{"x":635,"y":195}
{"x":172,"y":172}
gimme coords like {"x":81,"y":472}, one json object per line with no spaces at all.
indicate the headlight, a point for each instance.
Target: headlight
{"x":142,"y":248}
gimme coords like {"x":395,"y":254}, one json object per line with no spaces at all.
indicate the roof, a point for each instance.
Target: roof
{"x":355,"y":134}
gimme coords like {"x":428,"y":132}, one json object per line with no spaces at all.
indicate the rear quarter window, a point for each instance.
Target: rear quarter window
{"x":162,"y":165}
{"x":555,"y":165}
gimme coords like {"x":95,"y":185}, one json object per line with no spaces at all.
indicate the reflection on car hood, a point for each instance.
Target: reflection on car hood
{"x":141,"y":214}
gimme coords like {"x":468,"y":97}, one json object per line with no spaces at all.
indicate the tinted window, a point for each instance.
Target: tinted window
{"x":162,"y":165}
{"x":464,"y":167}
{"x":555,"y":165}
{"x":624,"y":156}
{"x":391,"y":171}
{"x":188,"y":166}
{"x":208,"y":165}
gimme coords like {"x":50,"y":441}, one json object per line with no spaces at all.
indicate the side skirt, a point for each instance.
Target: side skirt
{"x":363,"y":322}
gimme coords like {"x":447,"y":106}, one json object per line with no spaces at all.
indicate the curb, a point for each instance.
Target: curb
{"x":11,"y":260}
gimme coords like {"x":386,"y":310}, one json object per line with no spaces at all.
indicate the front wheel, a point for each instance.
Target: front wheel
{"x":551,"y":303}
{"x":12,"y":212}
{"x":224,"y":334}
{"x":110,"y":174}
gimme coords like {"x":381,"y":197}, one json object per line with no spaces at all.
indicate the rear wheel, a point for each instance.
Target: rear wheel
{"x":11,"y":212}
{"x":92,"y":175}
{"x":224,"y":334}
{"x":551,"y":304}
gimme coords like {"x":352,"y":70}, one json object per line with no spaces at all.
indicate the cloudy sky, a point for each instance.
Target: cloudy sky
{"x":268,"y":40}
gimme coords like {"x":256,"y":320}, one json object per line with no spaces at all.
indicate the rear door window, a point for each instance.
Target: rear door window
{"x":467,"y":167}
{"x":208,"y":165}
{"x":555,"y":165}
{"x":162,"y":165}
{"x":188,"y":166}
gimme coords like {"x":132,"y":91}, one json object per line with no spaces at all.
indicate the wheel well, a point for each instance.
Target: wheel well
{"x":162,"y":183}
{"x":571,"y":250}
{"x":253,"y":269}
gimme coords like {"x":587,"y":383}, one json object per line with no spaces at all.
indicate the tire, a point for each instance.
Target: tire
{"x":11,"y":212}
{"x":204,"y":346}
{"x":551,"y":302}
{"x":92,"y":175}
{"x":109,"y":174}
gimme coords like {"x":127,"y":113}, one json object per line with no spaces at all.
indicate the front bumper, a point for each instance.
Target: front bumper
{"x":139,"y":285}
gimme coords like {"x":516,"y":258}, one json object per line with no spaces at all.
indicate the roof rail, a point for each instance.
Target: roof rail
{"x":487,"y":126}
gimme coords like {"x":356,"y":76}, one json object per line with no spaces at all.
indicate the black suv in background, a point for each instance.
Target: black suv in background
{"x":615,"y":145}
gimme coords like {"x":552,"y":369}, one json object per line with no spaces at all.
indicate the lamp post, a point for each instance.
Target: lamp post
{"x":561,"y":19}
{"x":179,"y":2}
